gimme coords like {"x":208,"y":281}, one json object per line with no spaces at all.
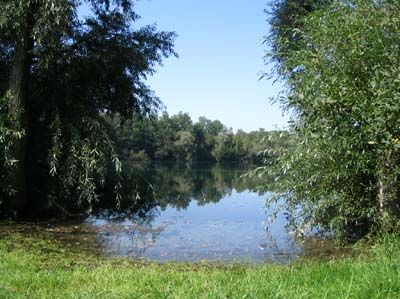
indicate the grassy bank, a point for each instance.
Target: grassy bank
{"x":31,"y":267}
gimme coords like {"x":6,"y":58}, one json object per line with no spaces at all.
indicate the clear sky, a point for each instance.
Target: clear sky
{"x":220,"y":60}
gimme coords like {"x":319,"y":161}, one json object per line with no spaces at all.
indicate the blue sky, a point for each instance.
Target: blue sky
{"x":220,"y":61}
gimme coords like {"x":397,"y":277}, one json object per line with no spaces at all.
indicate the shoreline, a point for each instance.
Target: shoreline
{"x":33,"y":267}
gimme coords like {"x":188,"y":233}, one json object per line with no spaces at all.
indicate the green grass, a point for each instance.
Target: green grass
{"x":31,"y":267}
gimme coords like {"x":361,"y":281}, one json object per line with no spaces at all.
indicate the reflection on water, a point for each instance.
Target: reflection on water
{"x":195,"y":213}
{"x":232,"y":229}
{"x":184,"y":214}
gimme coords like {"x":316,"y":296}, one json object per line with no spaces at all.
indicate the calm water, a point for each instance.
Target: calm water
{"x":185,"y":214}
{"x":199,"y":213}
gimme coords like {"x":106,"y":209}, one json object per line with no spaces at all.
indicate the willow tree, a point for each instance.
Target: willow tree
{"x":343,"y":86}
{"x":66,"y":72}
{"x":286,"y":20}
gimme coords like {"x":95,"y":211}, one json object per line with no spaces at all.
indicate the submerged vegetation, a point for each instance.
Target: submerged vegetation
{"x":33,"y":267}
{"x":76,"y":115}
{"x":77,"y":123}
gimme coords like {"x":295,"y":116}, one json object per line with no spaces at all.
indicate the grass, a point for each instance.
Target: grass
{"x":32,"y":267}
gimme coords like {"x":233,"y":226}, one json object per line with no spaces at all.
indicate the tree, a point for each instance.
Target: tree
{"x":181,"y":122}
{"x":184,"y":145}
{"x":20,"y":22}
{"x":343,"y":85}
{"x":67,"y":74}
{"x":287,"y":19}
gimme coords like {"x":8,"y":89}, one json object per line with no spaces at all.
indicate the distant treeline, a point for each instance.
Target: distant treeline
{"x":161,"y":185}
{"x":178,"y":138}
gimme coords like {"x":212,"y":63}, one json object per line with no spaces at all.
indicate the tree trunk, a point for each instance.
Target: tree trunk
{"x":19,"y":114}
{"x":389,"y":208}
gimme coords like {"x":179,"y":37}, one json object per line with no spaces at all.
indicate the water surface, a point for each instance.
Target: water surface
{"x":202,"y":212}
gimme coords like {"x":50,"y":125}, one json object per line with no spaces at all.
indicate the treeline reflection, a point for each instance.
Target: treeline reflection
{"x":158,"y":186}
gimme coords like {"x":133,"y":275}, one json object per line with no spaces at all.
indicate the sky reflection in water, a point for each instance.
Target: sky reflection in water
{"x":229,"y":227}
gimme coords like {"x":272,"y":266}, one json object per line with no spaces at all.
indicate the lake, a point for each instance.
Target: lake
{"x":202,"y":212}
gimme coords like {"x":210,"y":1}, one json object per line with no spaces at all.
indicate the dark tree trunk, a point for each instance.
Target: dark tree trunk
{"x":389,"y":205}
{"x":19,"y":114}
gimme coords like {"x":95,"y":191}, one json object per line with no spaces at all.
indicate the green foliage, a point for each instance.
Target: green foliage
{"x":343,"y":84}
{"x":7,"y":138}
{"x":286,"y":18}
{"x":183,"y":145}
{"x":38,"y":267}
{"x":177,"y":138}
{"x":83,"y":167}
{"x":82,"y":70}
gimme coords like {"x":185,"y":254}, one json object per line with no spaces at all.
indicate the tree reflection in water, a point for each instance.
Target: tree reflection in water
{"x":190,"y":213}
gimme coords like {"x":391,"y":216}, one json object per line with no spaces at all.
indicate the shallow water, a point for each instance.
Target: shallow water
{"x":191,"y":214}
{"x":232,"y":229}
